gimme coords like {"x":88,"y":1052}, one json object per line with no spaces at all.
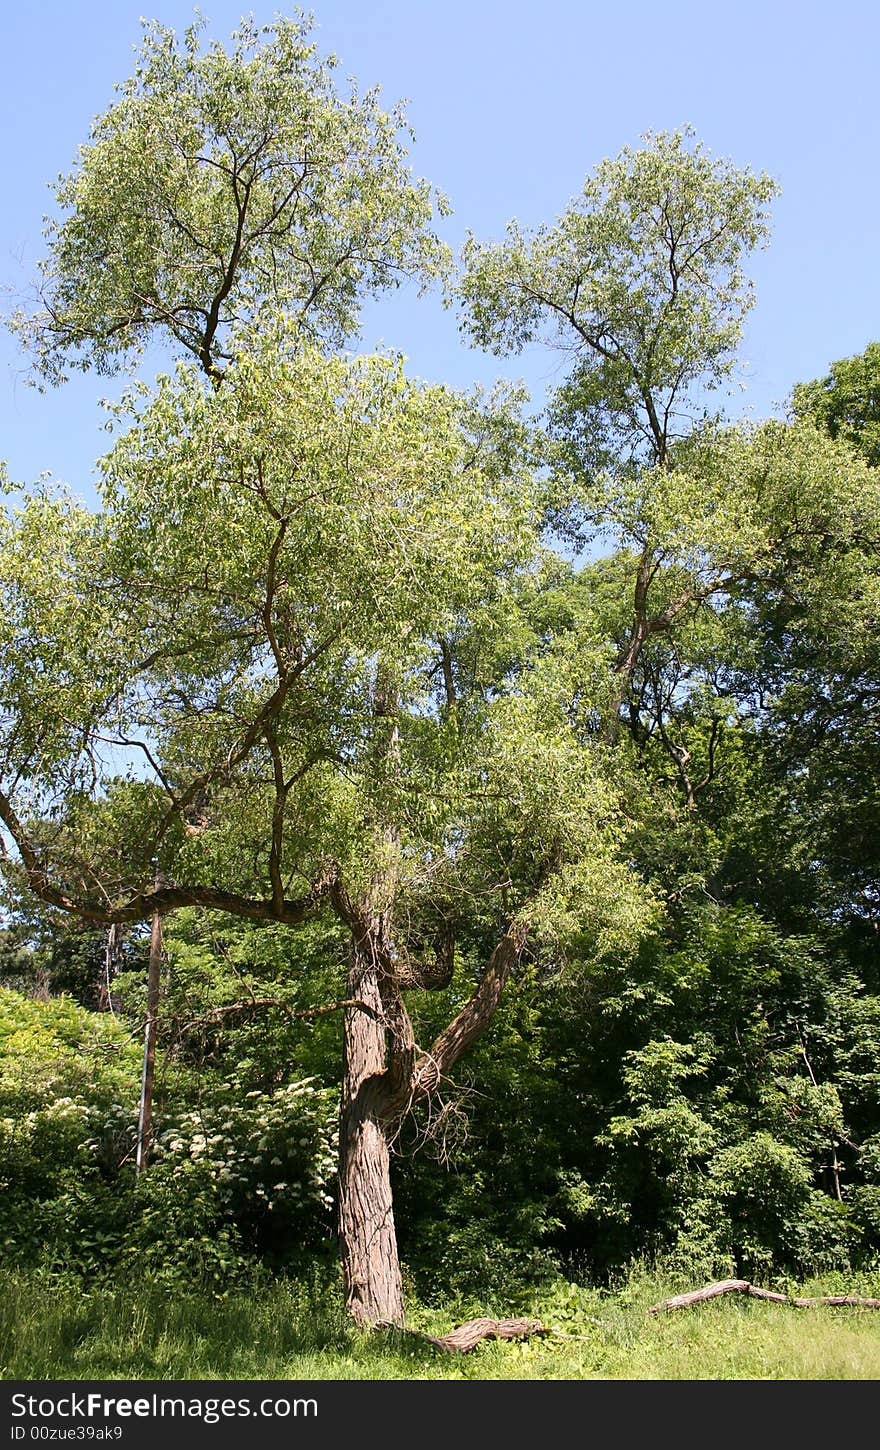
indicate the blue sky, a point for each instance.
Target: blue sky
{"x":513,"y":104}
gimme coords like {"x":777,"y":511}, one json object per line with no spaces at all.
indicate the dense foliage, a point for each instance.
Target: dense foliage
{"x":598,"y":830}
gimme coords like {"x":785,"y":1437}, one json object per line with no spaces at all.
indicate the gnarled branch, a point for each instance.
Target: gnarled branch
{"x":476,"y":1014}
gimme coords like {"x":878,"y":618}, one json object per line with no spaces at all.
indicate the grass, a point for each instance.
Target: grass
{"x":283,"y":1330}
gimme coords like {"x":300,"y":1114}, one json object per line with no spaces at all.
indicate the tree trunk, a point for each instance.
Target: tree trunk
{"x":367,"y":1237}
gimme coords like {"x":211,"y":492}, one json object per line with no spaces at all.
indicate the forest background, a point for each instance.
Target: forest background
{"x":683,"y":1061}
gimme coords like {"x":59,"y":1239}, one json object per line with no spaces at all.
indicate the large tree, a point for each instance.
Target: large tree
{"x":640,"y":281}
{"x":243,"y":670}
{"x":283,"y":670}
{"x":237,"y":206}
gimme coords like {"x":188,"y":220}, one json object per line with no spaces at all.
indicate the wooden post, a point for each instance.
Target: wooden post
{"x":145,"y":1117}
{"x":112,"y":957}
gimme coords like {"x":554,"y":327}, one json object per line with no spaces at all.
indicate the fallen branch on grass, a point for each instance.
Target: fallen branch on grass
{"x":742,"y":1286}
{"x":467,"y":1336}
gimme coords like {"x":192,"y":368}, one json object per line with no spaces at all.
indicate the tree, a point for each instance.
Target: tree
{"x":640,"y":280}
{"x":216,"y":184}
{"x":237,"y":205}
{"x":263,"y":615}
{"x":737,"y":610}
{"x":287,"y":671}
{"x":818,"y":667}
{"x":846,"y":403}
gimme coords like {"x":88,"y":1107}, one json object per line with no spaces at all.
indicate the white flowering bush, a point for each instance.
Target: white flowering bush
{"x":245,"y":1174}
{"x":232,"y":1180}
{"x":270,"y":1158}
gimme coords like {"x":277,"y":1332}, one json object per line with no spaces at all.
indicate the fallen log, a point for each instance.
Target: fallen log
{"x":467,"y":1336}
{"x":742,"y":1286}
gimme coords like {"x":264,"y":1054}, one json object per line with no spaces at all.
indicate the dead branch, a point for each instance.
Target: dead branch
{"x":218,"y":1014}
{"x":467,"y":1336}
{"x":742,"y":1286}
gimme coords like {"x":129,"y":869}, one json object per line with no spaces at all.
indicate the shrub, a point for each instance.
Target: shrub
{"x":767,"y":1214}
{"x":242,"y":1175}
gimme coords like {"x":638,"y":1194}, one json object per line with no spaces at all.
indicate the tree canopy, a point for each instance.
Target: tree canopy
{"x":221,"y":182}
{"x":846,"y":403}
{"x":314,"y":684}
{"x":641,"y":280}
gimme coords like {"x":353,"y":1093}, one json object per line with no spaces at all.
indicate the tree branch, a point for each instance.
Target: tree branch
{"x":142,"y":904}
{"x":218,"y":1014}
{"x":477,"y":1013}
{"x":742,"y":1286}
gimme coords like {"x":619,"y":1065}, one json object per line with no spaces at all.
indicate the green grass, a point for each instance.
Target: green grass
{"x":283,"y":1330}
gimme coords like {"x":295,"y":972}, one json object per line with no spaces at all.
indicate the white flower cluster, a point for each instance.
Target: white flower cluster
{"x":64,"y":1113}
{"x":276,"y":1150}
{"x":113,"y":1132}
{"x":66,"y":1107}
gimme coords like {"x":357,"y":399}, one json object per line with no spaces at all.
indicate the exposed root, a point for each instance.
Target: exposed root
{"x":742,"y":1286}
{"x":467,"y":1336}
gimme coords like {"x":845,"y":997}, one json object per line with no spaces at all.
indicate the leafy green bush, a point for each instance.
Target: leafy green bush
{"x":238,"y":1177}
{"x":66,"y":1075}
{"x":766,"y":1213}
{"x":233,"y":1179}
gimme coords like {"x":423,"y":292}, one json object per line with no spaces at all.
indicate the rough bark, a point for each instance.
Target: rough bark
{"x":467,"y":1336}
{"x":384,"y":1073}
{"x":367,"y":1236}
